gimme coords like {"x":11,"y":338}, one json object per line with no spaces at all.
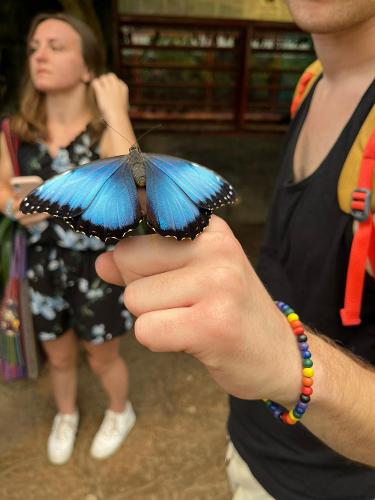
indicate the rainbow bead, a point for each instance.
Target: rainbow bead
{"x":307,"y":381}
{"x":292,"y":317}
{"x":308,"y":372}
{"x":291,"y":417}
{"x":298,"y":330}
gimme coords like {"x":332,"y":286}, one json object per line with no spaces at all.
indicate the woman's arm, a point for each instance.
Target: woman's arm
{"x":204,"y":298}
{"x":112,"y":96}
{"x":9,"y":202}
{"x":7,"y":196}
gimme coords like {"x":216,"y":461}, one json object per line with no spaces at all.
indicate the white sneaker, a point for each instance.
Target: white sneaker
{"x":112,"y":432}
{"x":61,"y":439}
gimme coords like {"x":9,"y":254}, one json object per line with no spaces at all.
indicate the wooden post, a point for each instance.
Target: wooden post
{"x":116,"y":56}
{"x":243,"y":76}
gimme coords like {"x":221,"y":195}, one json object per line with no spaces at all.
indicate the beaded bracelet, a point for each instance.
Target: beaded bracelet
{"x":293,"y":416}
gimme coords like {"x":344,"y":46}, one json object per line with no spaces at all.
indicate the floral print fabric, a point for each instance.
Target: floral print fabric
{"x":65,"y":291}
{"x":34,"y":159}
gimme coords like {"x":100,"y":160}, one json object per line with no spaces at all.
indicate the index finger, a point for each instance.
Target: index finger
{"x":141,"y":256}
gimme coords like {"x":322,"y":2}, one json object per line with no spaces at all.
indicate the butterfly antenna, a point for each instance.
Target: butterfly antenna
{"x":159,"y":125}
{"x":110,"y":126}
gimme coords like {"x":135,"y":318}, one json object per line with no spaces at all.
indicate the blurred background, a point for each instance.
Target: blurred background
{"x":218,"y":76}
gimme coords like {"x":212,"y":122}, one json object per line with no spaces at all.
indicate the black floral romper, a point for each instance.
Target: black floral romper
{"x":65,"y":291}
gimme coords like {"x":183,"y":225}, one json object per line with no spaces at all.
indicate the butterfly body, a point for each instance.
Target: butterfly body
{"x":101,"y":198}
{"x":137,"y":166}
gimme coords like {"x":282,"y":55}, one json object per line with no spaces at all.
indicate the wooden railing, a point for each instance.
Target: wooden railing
{"x":196,"y":73}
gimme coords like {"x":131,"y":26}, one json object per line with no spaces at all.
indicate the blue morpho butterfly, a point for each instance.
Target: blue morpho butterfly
{"x":100,"y":198}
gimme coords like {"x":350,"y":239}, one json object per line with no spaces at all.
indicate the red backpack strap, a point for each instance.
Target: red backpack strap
{"x":12,"y":143}
{"x":363,"y":245}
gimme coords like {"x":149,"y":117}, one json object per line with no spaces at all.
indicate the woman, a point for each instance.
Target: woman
{"x":66,"y":101}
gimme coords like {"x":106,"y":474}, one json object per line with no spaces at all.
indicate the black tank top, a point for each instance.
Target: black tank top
{"x":303,"y":262}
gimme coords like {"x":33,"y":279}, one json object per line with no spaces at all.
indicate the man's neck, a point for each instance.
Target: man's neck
{"x":349,"y":54}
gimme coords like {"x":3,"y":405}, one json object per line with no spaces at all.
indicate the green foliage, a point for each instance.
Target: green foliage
{"x":6,"y":238}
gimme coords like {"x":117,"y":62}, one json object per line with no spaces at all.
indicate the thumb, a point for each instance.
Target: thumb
{"x":107,"y":269}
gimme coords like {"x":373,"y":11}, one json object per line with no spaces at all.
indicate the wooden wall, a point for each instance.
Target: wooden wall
{"x":266,"y":10}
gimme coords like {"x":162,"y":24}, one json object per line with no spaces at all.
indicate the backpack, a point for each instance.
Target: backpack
{"x":355,"y":197}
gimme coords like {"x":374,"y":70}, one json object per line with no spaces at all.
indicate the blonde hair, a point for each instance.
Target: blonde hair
{"x":30,"y":123}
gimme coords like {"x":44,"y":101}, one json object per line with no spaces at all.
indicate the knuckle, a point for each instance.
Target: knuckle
{"x":130,"y":299}
{"x":217,"y":319}
{"x":225,"y":308}
{"x":221,"y":243}
{"x":141,"y":332}
{"x":220,"y":276}
{"x":226,"y":278}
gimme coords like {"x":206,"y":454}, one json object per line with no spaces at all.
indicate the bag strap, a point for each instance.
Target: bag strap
{"x":350,"y":171}
{"x":306,"y":81}
{"x":363,"y":244}
{"x":355,"y":197}
{"x":12,"y":143}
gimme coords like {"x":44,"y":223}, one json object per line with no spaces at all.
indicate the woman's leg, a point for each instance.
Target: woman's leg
{"x":108,"y":365}
{"x":62,"y":360}
{"x":119,"y":418}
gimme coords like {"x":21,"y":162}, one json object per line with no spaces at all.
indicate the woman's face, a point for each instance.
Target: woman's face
{"x":55,"y":57}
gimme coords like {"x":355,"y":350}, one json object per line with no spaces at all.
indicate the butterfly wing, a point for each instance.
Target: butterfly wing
{"x":68,"y":194}
{"x":203,"y":186}
{"x":98,"y":199}
{"x":170,"y":212}
{"x":115,"y":209}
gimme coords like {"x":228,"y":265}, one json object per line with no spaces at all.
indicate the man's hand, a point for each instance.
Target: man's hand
{"x":203,"y":297}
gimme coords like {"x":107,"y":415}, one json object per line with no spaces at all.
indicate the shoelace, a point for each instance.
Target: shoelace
{"x":111,"y":424}
{"x":64,"y":427}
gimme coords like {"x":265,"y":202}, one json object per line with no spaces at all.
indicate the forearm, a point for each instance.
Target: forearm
{"x":112,"y":96}
{"x":6,"y":172}
{"x":342,"y":408}
{"x":6,"y":194}
{"x":120,"y":136}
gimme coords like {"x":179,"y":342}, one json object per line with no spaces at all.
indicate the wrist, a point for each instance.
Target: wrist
{"x":304,"y":381}
{"x":289,"y":379}
{"x":332,"y":362}
{"x":118,"y":122}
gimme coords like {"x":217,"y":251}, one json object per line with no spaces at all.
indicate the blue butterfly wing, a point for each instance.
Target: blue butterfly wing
{"x":170,"y":211}
{"x":98,"y":199}
{"x":68,"y":194}
{"x":203,"y":186}
{"x":114,"y":211}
